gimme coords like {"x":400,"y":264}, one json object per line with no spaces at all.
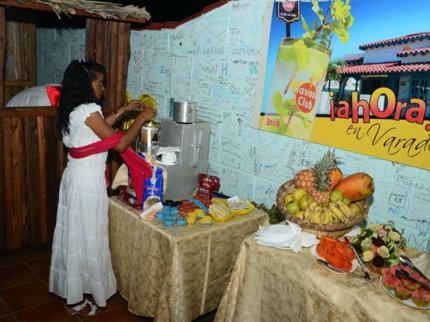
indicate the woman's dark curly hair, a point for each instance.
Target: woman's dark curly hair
{"x":77,"y":89}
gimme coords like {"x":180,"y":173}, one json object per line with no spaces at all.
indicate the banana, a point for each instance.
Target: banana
{"x":316,"y":215}
{"x":308,"y":211}
{"x":326,"y":217}
{"x":333,"y":217}
{"x":337,"y":212}
{"x":345,"y":209}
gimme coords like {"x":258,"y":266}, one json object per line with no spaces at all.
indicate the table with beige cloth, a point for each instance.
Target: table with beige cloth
{"x":269,"y":284}
{"x":174,"y":273}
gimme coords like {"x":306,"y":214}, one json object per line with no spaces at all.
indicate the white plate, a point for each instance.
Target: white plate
{"x":275,"y":233}
{"x":408,"y":302}
{"x":354,"y":262}
{"x":263,"y":242}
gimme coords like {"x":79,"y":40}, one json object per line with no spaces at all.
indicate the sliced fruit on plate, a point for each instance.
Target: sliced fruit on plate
{"x":336,"y":252}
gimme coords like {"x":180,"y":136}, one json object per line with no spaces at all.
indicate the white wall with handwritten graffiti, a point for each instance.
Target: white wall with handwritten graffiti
{"x":213,"y":60}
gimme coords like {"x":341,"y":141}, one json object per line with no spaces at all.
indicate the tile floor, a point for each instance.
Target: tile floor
{"x":24,"y":292}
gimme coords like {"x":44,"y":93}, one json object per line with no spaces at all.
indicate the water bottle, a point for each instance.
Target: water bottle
{"x":172,"y":104}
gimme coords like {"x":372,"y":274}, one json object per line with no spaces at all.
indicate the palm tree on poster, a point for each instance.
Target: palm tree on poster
{"x":333,"y":72}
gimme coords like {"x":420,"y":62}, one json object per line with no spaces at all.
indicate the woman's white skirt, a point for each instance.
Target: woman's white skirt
{"x":81,"y":261}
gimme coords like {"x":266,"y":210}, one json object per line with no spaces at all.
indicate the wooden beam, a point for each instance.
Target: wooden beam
{"x":28,"y":111}
{"x":18,"y":83}
{"x":82,"y":13}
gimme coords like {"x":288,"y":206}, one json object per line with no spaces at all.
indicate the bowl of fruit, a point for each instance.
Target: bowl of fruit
{"x":324,"y":202}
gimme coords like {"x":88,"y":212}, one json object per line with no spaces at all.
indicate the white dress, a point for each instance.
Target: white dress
{"x":81,"y":261}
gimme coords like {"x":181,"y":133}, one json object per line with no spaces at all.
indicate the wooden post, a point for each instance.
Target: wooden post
{"x":3,"y":205}
{"x":2,"y":54}
{"x":108,"y":43}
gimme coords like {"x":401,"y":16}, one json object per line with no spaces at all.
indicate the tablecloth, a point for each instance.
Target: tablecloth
{"x":269,"y":284}
{"x":174,"y":273}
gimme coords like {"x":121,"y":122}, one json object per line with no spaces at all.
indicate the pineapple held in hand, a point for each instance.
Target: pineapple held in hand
{"x":321,"y":179}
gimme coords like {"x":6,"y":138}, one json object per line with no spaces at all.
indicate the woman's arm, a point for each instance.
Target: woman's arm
{"x":103,"y":129}
{"x":117,"y":114}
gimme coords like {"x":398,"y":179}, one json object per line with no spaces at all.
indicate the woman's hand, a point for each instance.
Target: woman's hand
{"x":147,"y":114}
{"x":132,"y":105}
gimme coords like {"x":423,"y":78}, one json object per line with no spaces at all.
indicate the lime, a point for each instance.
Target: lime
{"x":298,"y":193}
{"x":336,"y":195}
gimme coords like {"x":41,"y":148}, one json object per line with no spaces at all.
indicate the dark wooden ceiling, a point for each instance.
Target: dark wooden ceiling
{"x":169,"y":10}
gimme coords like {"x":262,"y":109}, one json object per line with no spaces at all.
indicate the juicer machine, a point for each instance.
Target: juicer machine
{"x":190,"y":143}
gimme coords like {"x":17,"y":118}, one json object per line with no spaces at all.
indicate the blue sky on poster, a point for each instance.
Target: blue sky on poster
{"x":375,"y":20}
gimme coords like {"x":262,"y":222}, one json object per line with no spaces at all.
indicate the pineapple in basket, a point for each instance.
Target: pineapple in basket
{"x":321,"y":179}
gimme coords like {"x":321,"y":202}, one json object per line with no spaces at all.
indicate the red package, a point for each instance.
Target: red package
{"x":207,"y":185}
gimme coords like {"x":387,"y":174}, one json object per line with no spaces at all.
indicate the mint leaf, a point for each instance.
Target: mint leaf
{"x":278,"y":104}
{"x":316,"y":8}
{"x":338,"y":21}
{"x":338,"y":28}
{"x":305,"y":25}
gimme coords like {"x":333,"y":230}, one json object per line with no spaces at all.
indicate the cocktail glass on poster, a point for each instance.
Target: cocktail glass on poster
{"x":297,"y":83}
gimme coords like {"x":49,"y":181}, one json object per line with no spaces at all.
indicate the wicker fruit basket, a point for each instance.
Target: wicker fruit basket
{"x":332,"y":230}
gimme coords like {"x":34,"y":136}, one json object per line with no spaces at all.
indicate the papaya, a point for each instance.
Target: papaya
{"x":357,"y":186}
{"x":336,"y":176}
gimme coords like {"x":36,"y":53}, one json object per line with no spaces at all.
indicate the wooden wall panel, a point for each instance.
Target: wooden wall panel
{"x":16,"y":181}
{"x":2,"y":54}
{"x":34,"y":159}
{"x":3,"y":222}
{"x":28,"y":199}
{"x":7,"y":184}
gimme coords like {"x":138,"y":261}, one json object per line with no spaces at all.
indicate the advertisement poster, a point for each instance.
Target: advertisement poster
{"x":345,"y":75}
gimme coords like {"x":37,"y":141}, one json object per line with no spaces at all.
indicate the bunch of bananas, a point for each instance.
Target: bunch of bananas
{"x":323,"y":214}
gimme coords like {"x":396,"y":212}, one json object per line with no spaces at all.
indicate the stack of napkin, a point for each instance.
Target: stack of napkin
{"x":282,"y":236}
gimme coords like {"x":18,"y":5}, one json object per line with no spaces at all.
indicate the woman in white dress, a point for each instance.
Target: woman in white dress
{"x":81,"y":262}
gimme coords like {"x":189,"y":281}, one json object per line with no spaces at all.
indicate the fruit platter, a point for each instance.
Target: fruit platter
{"x":324,"y":202}
{"x":403,"y":290}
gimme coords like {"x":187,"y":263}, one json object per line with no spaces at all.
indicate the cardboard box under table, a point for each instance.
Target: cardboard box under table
{"x":174,"y":273}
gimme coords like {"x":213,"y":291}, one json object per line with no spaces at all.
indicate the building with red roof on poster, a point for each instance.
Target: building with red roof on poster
{"x":401,"y":64}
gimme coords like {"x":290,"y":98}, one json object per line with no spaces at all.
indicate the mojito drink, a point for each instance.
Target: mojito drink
{"x":295,"y":92}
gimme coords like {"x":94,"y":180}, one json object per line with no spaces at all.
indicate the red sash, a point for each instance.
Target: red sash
{"x":135,"y":163}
